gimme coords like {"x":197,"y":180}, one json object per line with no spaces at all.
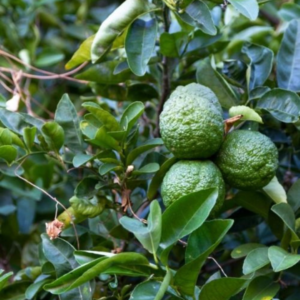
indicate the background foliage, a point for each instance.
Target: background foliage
{"x":79,"y":131}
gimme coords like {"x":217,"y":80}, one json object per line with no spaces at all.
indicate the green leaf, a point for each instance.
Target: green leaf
{"x":158,"y":178}
{"x":103,"y":116}
{"x":149,"y":236}
{"x":288,"y":68}
{"x":82,"y":55}
{"x":197,"y":14}
{"x":261,"y":63}
{"x":29,"y":136}
{"x":286,"y":214}
{"x":35,"y":287}
{"x":54,"y":135}
{"x":275,"y":191}
{"x":115,"y":24}
{"x":81,"y":159}
{"x":281,"y":104}
{"x":261,"y":287}
{"x":66,"y":117}
{"x":139,"y":44}
{"x":107,"y":167}
{"x":255,"y":260}
{"x":243,"y":250}
{"x":201,"y":243}
{"x":8,"y":153}
{"x":146,"y":146}
{"x":5,"y":137}
{"x":184,"y":216}
{"x":110,"y":91}
{"x":4,"y":279}
{"x":173,"y":44}
{"x":248,"y":113}
{"x":103,"y":73}
{"x":293,"y":195}
{"x":207,"y":76}
{"x":248,"y":8}
{"x":253,"y":201}
{"x":222,"y":289}
{"x":164,"y":285}
{"x":86,"y":272}
{"x":146,"y":290}
{"x":141,"y":92}
{"x":281,"y":259}
{"x":48,"y":58}
{"x":131,"y":114}
{"x":104,"y":140}
{"x":149,"y":168}
{"x":289,"y":11}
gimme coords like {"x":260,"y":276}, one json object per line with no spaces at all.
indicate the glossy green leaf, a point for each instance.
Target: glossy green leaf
{"x":222,"y":289}
{"x":131,"y":115}
{"x":146,"y":169}
{"x":146,"y":290}
{"x":149,"y":235}
{"x":107,"y":167}
{"x":243,"y":250}
{"x":164,"y":285}
{"x":207,"y":76}
{"x":275,"y":191}
{"x":248,"y":113}
{"x":197,"y":14}
{"x":4,"y":278}
{"x":255,"y":260}
{"x":173,"y":44}
{"x":248,"y":8}
{"x":293,"y":195}
{"x":29,"y":136}
{"x":82,"y":55}
{"x":261,"y":63}
{"x":5,"y":137}
{"x":146,"y":146}
{"x":289,"y":11}
{"x":103,"y":116}
{"x":49,"y":58}
{"x":54,"y":135}
{"x":139,"y":44}
{"x":103,"y":73}
{"x":115,"y":24}
{"x":158,"y":178}
{"x":281,"y":259}
{"x":261,"y":288}
{"x":184,"y":216}
{"x":201,"y":243}
{"x":141,"y":92}
{"x":104,"y":140}
{"x":85,"y":273}
{"x":34,"y":288}
{"x":81,"y":159}
{"x":281,"y":104}
{"x":286,"y":214}
{"x":288,"y":68}
{"x":66,"y":117}
{"x":8,"y":153}
{"x":253,"y":201}
{"x":110,"y":91}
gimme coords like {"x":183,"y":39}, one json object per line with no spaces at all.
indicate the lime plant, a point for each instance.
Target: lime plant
{"x":159,"y":142}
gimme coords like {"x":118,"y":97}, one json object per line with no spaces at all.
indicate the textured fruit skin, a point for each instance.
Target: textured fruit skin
{"x":191,"y":123}
{"x":188,"y":176}
{"x":247,"y":159}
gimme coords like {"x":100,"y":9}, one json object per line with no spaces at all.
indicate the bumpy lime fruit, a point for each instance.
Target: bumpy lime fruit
{"x":188,"y":176}
{"x":247,"y":159}
{"x":191,"y":123}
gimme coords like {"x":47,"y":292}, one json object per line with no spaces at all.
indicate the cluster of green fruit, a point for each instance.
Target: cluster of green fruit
{"x":191,"y":125}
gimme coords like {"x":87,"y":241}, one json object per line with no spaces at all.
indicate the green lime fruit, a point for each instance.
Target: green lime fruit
{"x":247,"y":159}
{"x":188,"y":176}
{"x":191,"y":123}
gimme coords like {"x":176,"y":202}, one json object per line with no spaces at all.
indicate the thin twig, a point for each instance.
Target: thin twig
{"x":219,"y":266}
{"x":50,"y":196}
